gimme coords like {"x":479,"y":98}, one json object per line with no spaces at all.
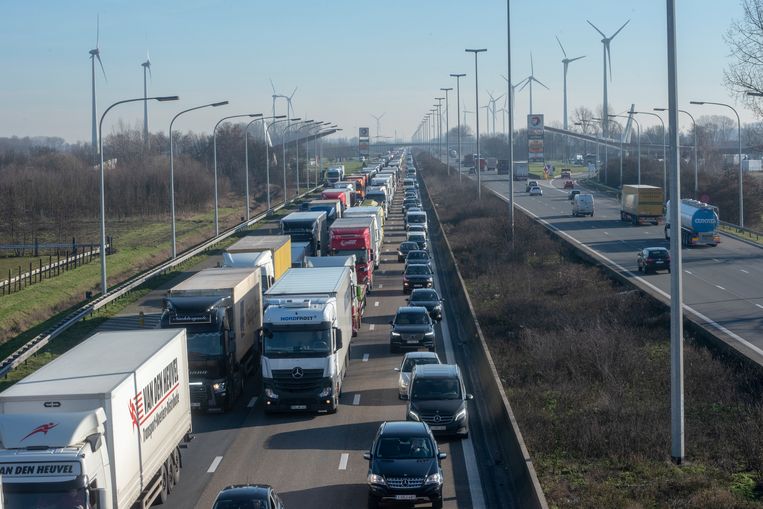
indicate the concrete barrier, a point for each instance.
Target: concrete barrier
{"x":502,"y":434}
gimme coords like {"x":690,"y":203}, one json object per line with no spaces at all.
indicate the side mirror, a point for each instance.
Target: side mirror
{"x":470,"y":397}
{"x":441,"y":455}
{"x":396,"y":369}
{"x":442,"y":300}
{"x":367,"y":455}
{"x":338,"y":333}
{"x":391,"y":322}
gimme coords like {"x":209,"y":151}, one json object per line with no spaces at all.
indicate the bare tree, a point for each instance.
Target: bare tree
{"x":745,"y":40}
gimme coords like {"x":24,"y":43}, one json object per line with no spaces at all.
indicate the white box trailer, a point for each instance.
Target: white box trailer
{"x":102,"y":424}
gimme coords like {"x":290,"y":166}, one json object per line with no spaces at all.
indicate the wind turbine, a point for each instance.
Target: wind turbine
{"x":289,"y":107}
{"x":566,"y":61}
{"x":492,"y":104}
{"x":607,"y":58}
{"x":378,"y":129}
{"x":96,"y":54}
{"x":529,"y":80}
{"x":146,"y":67}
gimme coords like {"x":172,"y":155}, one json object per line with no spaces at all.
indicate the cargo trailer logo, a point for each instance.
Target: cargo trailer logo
{"x":43,"y":428}
{"x":147,"y":408}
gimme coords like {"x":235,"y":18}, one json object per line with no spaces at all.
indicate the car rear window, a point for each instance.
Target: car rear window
{"x":424,"y":295}
{"x":415,"y":361}
{"x":657,"y":254}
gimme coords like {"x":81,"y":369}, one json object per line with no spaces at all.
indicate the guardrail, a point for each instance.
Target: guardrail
{"x":39,"y":341}
{"x":745,"y":233}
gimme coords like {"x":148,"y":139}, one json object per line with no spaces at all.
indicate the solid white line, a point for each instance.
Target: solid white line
{"x":376,"y":304}
{"x":356,"y":400}
{"x":716,"y":260}
{"x":252,"y":402}
{"x":719,"y":286}
{"x":687,"y":272}
{"x":744,"y":271}
{"x":372,"y":326}
{"x":381,"y":286}
{"x":343,"y":461}
{"x":761,"y":307}
{"x":605,"y":233}
{"x":215,"y":464}
{"x":365,"y":357}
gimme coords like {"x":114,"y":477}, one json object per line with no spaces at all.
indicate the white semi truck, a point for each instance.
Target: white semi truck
{"x":307,"y":328}
{"x":100,"y":427}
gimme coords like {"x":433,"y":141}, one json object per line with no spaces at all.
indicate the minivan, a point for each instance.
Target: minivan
{"x":437,"y":396}
{"x":582,"y":205}
{"x":416,"y":218}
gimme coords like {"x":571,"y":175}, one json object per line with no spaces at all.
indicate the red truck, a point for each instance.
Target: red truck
{"x":347,"y":237}
{"x":342,"y":195}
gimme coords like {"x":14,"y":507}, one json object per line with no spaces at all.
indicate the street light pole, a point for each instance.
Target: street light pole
{"x":439,"y":125}
{"x":172,"y":170}
{"x":510,"y":113}
{"x":267,"y":153}
{"x":739,"y":135}
{"x":696,"y":152}
{"x":306,"y":124}
{"x":283,"y":149}
{"x":477,"y":113}
{"x":104,"y":283}
{"x":664,"y":148}
{"x":246,"y":156}
{"x":458,"y":119}
{"x":447,"y":127}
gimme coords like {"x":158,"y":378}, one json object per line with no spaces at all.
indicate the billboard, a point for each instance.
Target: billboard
{"x":535,"y":138}
{"x":363,"y":142}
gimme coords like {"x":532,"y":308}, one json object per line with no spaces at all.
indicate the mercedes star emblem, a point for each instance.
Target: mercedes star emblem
{"x":297,"y":372}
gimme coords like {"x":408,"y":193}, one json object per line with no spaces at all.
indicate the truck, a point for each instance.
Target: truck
{"x":343,"y":195}
{"x":351,"y":188}
{"x":354,"y":236}
{"x":221,"y":310}
{"x":306,"y":334}
{"x":380,"y":196}
{"x":271,"y":253}
{"x":641,"y":203}
{"x":370,"y":210}
{"x":310,"y":227}
{"x":100,"y":427}
{"x":299,"y":252}
{"x":332,"y":208}
{"x":359,"y":302}
{"x":334,"y":174}
{"x":492,"y":163}
{"x":377,"y":238}
{"x":699,"y":223}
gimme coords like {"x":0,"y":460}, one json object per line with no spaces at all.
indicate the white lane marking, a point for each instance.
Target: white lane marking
{"x":252,"y":402}
{"x":372,"y":326}
{"x":742,"y":270}
{"x":716,"y":260}
{"x":688,"y":272}
{"x":761,"y":307}
{"x":356,"y":400}
{"x":214,"y":465}
{"x":605,"y":233}
{"x":376,"y":304}
{"x":381,"y":286}
{"x":343,"y":459}
{"x":365,"y":357}
{"x":720,"y":287}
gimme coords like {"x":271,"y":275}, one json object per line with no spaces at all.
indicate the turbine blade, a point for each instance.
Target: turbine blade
{"x":496,"y":99}
{"x":560,"y":45}
{"x":97,"y":29}
{"x":273,"y":87}
{"x":293,"y":92}
{"x":98,"y":56}
{"x":505,"y":78}
{"x":531,"y":64}
{"x":541,"y":84}
{"x":576,"y":58}
{"x":618,"y":31}
{"x":380,"y":116}
{"x":151,"y":76}
{"x":524,"y":84}
{"x":594,"y":27}
{"x":609,"y":58}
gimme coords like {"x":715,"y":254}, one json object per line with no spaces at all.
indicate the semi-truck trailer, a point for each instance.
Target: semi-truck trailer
{"x":332,"y":208}
{"x":362,"y":220}
{"x":353,"y":236}
{"x":308,"y":227}
{"x":641,"y":203}
{"x":305,"y":338}
{"x":221,"y":309}
{"x":359,"y":303}
{"x":100,"y":427}
{"x":343,"y":195}
{"x":244,"y":253}
{"x":699,"y":223}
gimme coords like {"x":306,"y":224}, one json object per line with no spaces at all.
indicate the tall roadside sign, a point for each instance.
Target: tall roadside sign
{"x":363,"y":142}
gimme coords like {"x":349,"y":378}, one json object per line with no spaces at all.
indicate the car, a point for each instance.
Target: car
{"x":410,"y":360}
{"x":419,"y":237}
{"x":536,"y":191}
{"x":652,"y":259}
{"x":572,"y":194}
{"x":411,"y":328}
{"x":404,"y":248}
{"x":415,"y":215}
{"x":417,"y":276}
{"x":417,"y":228}
{"x":566,"y":173}
{"x":409,"y":203}
{"x":530,"y":184}
{"x":248,"y":496}
{"x":429,"y":299}
{"x":418,"y":257}
{"x":569,"y":184}
{"x":437,"y":396}
{"x":404,"y":466}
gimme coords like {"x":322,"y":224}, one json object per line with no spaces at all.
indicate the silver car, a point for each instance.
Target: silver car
{"x":406,"y":367}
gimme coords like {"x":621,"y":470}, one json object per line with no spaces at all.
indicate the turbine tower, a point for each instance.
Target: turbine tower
{"x":566,"y":61}
{"x":529,"y":80}
{"x":378,"y":123}
{"x":95,"y":54}
{"x":146,"y":67}
{"x":289,"y":107}
{"x":607,"y":58}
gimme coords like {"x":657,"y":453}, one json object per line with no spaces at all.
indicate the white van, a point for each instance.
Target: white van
{"x":582,"y":205}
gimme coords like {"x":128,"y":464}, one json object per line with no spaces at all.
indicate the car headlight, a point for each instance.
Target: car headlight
{"x":376,"y":479}
{"x":218,"y":387}
{"x":326,"y":392}
{"x":460,"y":415}
{"x":413,"y":415}
{"x":435,"y":478}
{"x":269,"y":393}
{"x":395,"y":334}
{"x":429,"y":334}
{"x":403,"y":383}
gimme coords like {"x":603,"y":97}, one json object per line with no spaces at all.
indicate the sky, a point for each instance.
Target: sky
{"x":348,"y":60}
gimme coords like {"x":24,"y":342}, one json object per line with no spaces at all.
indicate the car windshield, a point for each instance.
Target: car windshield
{"x":418,"y":237}
{"x":415,"y":361}
{"x":239,"y":504}
{"x":412,"y":319}
{"x":436,"y":388}
{"x":417,"y":218}
{"x":404,"y":448}
{"x":424,"y":295}
{"x":408,"y":246}
{"x":418,"y":270}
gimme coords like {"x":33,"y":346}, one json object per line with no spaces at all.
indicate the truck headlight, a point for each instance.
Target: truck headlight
{"x":269,"y":393}
{"x":435,"y":478}
{"x":429,"y":334}
{"x":325,"y":393}
{"x":218,"y":387}
{"x":376,"y":479}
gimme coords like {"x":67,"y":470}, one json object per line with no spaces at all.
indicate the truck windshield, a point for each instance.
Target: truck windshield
{"x":361,"y":255}
{"x":68,"y":499}
{"x":300,"y":342}
{"x":205,"y":344}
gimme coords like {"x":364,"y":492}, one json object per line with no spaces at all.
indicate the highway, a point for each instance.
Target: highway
{"x":317,"y":460}
{"x":723,"y":285}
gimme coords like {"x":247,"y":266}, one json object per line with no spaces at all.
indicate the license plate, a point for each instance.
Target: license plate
{"x":195,"y":405}
{"x":412,"y":341}
{"x":405,"y":497}
{"x":298,"y":407}
{"x":437,"y":428}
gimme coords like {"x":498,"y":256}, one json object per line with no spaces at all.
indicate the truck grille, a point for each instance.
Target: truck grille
{"x":311,"y":380}
{"x":437,"y":419}
{"x":405,"y":482}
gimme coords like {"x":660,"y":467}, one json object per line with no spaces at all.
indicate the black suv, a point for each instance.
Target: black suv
{"x":404,"y":466}
{"x":428,"y":299}
{"x":418,"y":257}
{"x":411,"y":328}
{"x":405,"y":248}
{"x":417,"y":276}
{"x":436,"y":396}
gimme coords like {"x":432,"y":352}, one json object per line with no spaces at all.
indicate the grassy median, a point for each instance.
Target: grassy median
{"x":585,"y":364}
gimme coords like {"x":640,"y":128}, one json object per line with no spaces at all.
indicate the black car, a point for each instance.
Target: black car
{"x":429,"y":299}
{"x":652,"y":259}
{"x":248,"y":496}
{"x":436,"y":396}
{"x":411,"y":328}
{"x":405,"y":248}
{"x":420,"y":238}
{"x":418,"y":257}
{"x":404,"y":466}
{"x":417,"y":276}
{"x":410,"y":202}
{"x":571,"y":195}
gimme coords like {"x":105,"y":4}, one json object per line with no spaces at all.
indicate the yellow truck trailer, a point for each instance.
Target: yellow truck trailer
{"x":642,"y":203}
